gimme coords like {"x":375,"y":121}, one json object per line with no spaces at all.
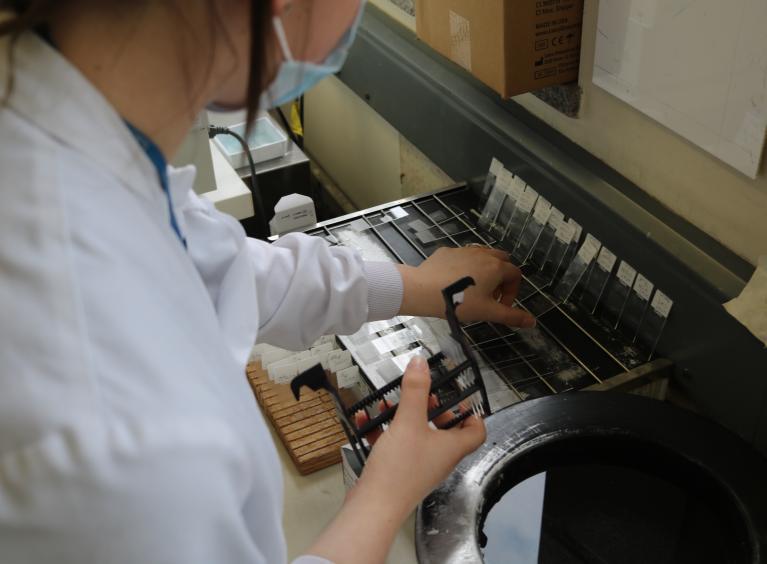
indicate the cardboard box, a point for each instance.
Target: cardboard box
{"x":513,"y":46}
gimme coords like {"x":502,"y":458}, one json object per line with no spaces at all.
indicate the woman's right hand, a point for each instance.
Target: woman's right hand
{"x":406,"y":463}
{"x":411,"y":458}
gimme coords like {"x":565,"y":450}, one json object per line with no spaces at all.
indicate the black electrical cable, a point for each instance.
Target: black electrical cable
{"x":258,"y":204}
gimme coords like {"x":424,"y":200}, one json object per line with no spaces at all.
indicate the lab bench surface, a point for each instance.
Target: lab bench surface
{"x":312,"y":501}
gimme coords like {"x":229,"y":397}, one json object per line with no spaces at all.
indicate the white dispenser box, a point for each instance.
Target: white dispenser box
{"x":293,"y":212}
{"x":266,"y":141}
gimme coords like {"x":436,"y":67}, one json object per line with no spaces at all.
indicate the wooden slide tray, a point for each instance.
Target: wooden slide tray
{"x":308,"y":428}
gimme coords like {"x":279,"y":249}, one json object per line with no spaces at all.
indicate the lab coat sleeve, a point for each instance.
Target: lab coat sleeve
{"x":304,"y":288}
{"x":307,"y":288}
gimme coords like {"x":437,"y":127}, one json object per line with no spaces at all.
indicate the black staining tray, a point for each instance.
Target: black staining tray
{"x":569,"y":349}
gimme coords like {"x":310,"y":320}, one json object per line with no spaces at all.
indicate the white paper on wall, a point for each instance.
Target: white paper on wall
{"x":699,"y":67}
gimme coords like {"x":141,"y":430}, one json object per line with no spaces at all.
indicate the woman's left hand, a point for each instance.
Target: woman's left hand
{"x":490,"y":299}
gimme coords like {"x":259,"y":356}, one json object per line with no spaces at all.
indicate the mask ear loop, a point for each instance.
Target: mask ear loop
{"x":282,"y":39}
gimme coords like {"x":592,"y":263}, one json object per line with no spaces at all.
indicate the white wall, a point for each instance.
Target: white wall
{"x":728,"y":205}
{"x":365,"y":155}
{"x":368,"y":159}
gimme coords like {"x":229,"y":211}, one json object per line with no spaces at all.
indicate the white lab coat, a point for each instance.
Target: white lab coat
{"x":128,"y":432}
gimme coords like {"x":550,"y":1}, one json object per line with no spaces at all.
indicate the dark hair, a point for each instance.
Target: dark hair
{"x":34,"y":14}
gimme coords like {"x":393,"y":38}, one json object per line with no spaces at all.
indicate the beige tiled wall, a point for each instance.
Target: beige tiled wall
{"x":364,"y":155}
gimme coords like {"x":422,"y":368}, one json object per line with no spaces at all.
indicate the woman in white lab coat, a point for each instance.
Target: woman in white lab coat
{"x":128,"y":305}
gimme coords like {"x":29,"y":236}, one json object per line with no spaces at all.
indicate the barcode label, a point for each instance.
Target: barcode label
{"x":496,"y":167}
{"x":606,"y":259}
{"x":578,"y":229}
{"x":283,"y":373}
{"x":417,"y":225}
{"x":348,"y":377}
{"x":626,"y":274}
{"x":517,"y":187}
{"x":542,"y":211}
{"x":398,"y":212}
{"x":340,"y":361}
{"x":588,"y":250}
{"x":307,"y":363}
{"x":425,"y":237}
{"x":556,"y":219}
{"x":302,"y":355}
{"x":593,"y":241}
{"x":324,"y":347}
{"x":565,"y":233}
{"x":505,"y":181}
{"x":273,"y":356}
{"x":527,"y":201}
{"x":643,"y":287}
{"x":661,"y":303}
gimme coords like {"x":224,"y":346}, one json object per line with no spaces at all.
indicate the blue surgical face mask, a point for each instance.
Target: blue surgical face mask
{"x":296,"y":77}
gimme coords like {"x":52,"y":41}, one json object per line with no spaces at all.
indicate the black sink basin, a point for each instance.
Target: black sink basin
{"x":599,"y":478}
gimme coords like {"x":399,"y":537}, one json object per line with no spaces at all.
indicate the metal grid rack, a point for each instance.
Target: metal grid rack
{"x":571,"y":347}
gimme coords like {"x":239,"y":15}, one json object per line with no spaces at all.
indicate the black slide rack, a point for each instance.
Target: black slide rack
{"x":572,"y":347}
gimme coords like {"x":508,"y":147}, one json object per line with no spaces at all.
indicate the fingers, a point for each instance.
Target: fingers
{"x":503,"y":312}
{"x":414,"y":398}
{"x":508,"y":278}
{"x":515,"y":317}
{"x":443,"y":418}
{"x":511,"y":278}
{"x":497,"y":253}
{"x":360,"y":418}
{"x":470,"y":435}
{"x":496,"y":312}
{"x":509,"y":293}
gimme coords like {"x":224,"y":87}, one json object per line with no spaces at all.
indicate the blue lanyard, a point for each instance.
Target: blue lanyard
{"x":158,"y":160}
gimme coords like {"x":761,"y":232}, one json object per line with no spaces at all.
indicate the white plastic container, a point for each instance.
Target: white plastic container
{"x":266,"y":141}
{"x":292,"y":213}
